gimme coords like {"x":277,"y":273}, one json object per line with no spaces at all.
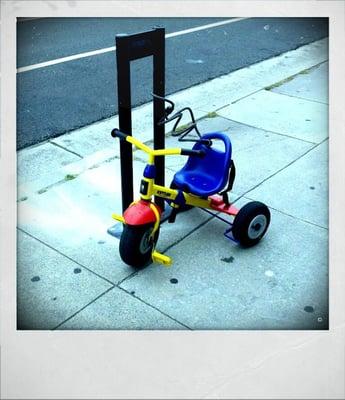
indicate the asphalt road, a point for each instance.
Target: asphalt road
{"x":56,"y":99}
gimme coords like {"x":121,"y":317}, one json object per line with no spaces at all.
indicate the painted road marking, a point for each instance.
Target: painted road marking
{"x":65,"y":59}
{"x":203,"y":27}
{"x":113,"y":48}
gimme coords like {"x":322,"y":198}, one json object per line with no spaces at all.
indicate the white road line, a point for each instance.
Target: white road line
{"x":203,"y":27}
{"x":65,"y":59}
{"x":113,"y":48}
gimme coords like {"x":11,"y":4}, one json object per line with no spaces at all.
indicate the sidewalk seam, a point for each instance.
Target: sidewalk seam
{"x":135,"y":273}
{"x":64,"y":255}
{"x":289,"y":78}
{"x":155,"y":308}
{"x":83,"y":308}
{"x":132,"y":275}
{"x":128,"y":293}
{"x":188,"y":234}
{"x":244,"y":97}
{"x":286,"y":166}
{"x":266,"y":130}
{"x":293,"y":216}
{"x":298,"y":97}
{"x":113,"y":285}
{"x":279,"y":83}
{"x":64,"y":148}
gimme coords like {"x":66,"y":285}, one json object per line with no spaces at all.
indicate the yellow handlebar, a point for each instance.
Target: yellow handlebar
{"x":159,"y":152}
{"x":138,"y":144}
{"x":151,"y":152}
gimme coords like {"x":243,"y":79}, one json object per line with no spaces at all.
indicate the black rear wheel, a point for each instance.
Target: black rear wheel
{"x":137,"y":243}
{"x":251,"y":223}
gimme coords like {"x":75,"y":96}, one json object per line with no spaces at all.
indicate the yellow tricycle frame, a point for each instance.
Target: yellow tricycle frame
{"x":149,"y":189}
{"x":162,"y":191}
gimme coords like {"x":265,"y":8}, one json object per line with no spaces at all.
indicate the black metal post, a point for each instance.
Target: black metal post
{"x":128,"y":48}
{"x":125,"y":118}
{"x":159,"y":106}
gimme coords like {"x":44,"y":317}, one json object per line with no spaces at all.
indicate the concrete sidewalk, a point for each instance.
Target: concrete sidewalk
{"x":69,"y":272}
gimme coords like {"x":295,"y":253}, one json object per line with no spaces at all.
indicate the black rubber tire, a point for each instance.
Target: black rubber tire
{"x":131,"y":245}
{"x":185,"y":207}
{"x":242,"y":229}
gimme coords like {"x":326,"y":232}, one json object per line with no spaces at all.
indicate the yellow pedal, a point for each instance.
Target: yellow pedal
{"x":118,"y":218}
{"x":161,"y":259}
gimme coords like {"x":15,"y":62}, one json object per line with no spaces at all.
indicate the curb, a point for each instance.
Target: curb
{"x":93,"y":145}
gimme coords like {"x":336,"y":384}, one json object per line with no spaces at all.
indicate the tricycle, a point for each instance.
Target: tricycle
{"x":204,"y":181}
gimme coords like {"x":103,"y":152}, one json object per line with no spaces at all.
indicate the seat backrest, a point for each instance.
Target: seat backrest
{"x":216,"y":163}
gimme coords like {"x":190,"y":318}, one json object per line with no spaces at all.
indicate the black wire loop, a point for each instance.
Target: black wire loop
{"x":182,"y":132}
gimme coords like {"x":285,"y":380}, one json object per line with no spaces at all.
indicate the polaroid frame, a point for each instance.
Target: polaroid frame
{"x":280,"y":364}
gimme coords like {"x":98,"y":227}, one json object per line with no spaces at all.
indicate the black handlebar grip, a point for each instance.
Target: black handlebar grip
{"x":195,"y":153}
{"x":117,"y":133}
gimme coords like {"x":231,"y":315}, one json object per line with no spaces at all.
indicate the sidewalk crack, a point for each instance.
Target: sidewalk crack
{"x":293,"y":216}
{"x":274,"y":132}
{"x":286,"y":166}
{"x":155,"y":308}
{"x":64,"y":255}
{"x":241,"y":98}
{"x":300,"y":97}
{"x":279,"y":83}
{"x":83,"y":308}
{"x":130,"y":276}
{"x":64,"y":148}
{"x":188,"y":234}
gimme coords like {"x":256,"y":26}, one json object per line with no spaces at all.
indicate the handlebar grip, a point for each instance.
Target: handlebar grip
{"x":195,"y":153}
{"x":117,"y":133}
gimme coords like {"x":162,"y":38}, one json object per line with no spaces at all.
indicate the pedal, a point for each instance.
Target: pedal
{"x":118,"y":217}
{"x":161,"y":259}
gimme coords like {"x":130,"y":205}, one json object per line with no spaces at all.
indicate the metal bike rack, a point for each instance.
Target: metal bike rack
{"x":129,"y":48}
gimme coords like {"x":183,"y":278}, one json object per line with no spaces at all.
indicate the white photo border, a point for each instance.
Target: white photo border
{"x":172,"y":364}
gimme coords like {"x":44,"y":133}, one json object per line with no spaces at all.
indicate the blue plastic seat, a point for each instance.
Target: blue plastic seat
{"x":208,"y":175}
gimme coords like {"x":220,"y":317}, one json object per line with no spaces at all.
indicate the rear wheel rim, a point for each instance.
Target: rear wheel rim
{"x":257,"y":226}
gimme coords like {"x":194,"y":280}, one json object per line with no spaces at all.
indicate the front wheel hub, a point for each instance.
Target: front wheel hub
{"x":146,"y":242}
